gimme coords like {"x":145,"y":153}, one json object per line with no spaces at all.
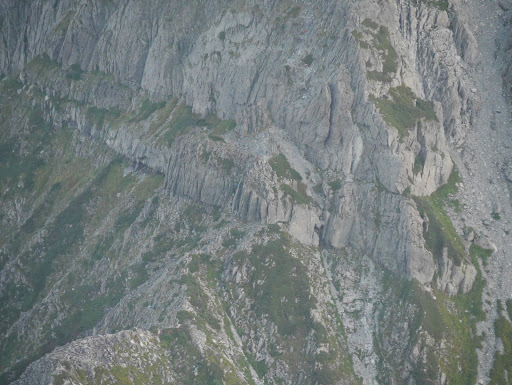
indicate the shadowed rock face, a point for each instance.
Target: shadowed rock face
{"x":240,"y":179}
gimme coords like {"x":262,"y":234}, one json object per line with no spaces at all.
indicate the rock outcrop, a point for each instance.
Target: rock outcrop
{"x":198,"y":174}
{"x":133,"y":354}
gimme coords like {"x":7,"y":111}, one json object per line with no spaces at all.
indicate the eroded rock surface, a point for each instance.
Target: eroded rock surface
{"x":274,"y":192}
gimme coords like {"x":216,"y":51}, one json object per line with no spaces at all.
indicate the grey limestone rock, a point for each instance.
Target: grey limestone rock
{"x":313,"y":89}
{"x":455,"y":278}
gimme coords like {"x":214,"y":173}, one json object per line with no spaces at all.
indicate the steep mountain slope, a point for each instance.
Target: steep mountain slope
{"x":249,"y":192}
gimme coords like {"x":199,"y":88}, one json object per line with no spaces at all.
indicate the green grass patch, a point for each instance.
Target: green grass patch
{"x":501,"y":372}
{"x":64,"y":210}
{"x":228,"y":330}
{"x":300,"y":197}
{"x":131,"y":375}
{"x":335,"y":185}
{"x":184,"y":316}
{"x":221,"y":127}
{"x":197,"y":297}
{"x":86,"y":310}
{"x":111,"y":179}
{"x":15,"y":168}
{"x":429,"y":314}
{"x":74,"y":72}
{"x":199,"y":300}
{"x":139,"y":277}
{"x":102,"y":247}
{"x":64,"y":23}
{"x":319,"y":189}
{"x":460,"y":315}
{"x":193,"y":216}
{"x":39,"y":126}
{"x":308,"y":60}
{"x":284,"y":295}
{"x":476,"y":251}
{"x":182,"y":120}
{"x":419,"y":163}
{"x":67,"y":230}
{"x":9,"y":87}
{"x":451,"y":321}
{"x":42,"y":65}
{"x":216,"y":138}
{"x":146,"y":189}
{"x":403,"y":109}
{"x":287,"y":14}
{"x":357,"y":35}
{"x":226,"y":164}
{"x":19,"y":174}
{"x":259,"y":366}
{"x":98,"y":116}
{"x":128,"y":217}
{"x":282,"y":168}
{"x":382,"y":43}
{"x":442,"y":5}
{"x":170,"y":338}
{"x":193,"y":367}
{"x":443,"y":196}
{"x":293,"y":12}
{"x":146,"y":109}
{"x":426,"y":370}
{"x":235,"y":236}
{"x":163,"y":244}
{"x":336,"y":365}
{"x":64,"y":233}
{"x":368,"y":23}
{"x":440,"y":233}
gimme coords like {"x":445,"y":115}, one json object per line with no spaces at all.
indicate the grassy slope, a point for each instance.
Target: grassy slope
{"x":82,"y":217}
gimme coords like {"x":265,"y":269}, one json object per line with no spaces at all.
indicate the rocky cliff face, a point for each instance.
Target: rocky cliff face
{"x":254,"y":192}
